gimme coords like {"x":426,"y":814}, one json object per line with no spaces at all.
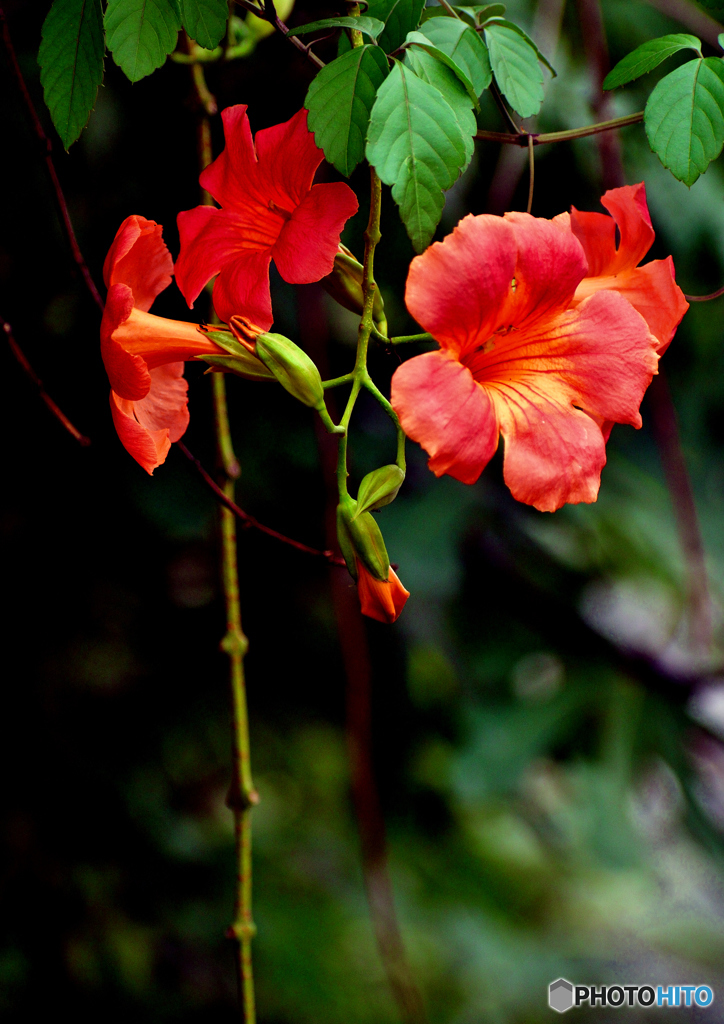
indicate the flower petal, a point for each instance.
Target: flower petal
{"x":127,"y":372}
{"x":599,"y":356}
{"x":138,"y":257}
{"x":229,"y":176}
{"x":211,"y":239}
{"x":442,"y":408}
{"x":242,"y":289}
{"x":652,"y":291}
{"x":456,"y":287}
{"x":553,"y":453}
{"x":288,"y":157}
{"x":382,"y":600}
{"x":549,"y":266}
{"x":631,"y":214}
{"x":309,"y":240}
{"x":165,"y":407}
{"x":148,"y":448}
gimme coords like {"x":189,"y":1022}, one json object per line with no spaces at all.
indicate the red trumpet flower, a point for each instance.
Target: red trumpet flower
{"x":382,"y":600}
{"x":144,"y":354}
{"x":269,"y":210}
{"x":532,"y":349}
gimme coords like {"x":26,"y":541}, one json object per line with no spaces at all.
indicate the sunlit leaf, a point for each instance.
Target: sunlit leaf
{"x":648,"y":56}
{"x":515,"y":66}
{"x":427,"y":66}
{"x":205,"y":20}
{"x":684,"y":118}
{"x":71,"y":63}
{"x":419,"y":41}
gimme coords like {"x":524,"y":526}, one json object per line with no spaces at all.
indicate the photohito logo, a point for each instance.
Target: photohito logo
{"x":563,"y":995}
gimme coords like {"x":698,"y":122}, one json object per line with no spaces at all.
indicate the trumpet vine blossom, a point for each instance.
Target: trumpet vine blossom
{"x":382,"y":600}
{"x":270,"y":210}
{"x":144,"y":354}
{"x":533,"y":348}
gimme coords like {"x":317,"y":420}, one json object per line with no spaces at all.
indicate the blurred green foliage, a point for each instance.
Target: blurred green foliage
{"x":554,"y":804}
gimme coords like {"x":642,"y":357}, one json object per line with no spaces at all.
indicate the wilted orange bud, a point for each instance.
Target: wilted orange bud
{"x":382,"y":600}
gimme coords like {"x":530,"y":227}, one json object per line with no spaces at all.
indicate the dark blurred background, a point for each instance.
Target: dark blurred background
{"x":546,"y":722}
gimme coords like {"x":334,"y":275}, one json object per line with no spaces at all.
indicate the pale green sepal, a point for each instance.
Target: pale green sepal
{"x":343,"y":536}
{"x":369,"y":544}
{"x":245,"y":365}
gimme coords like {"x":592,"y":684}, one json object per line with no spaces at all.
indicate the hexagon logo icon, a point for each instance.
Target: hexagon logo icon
{"x":560,"y":995}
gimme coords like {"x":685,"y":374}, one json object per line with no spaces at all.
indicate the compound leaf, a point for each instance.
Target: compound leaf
{"x":140,"y":34}
{"x":648,"y":56}
{"x":684,"y":118}
{"x":339,"y":102}
{"x":71,"y":63}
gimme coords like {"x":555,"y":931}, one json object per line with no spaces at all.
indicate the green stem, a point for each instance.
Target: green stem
{"x":337,"y":381}
{"x":405,"y":339}
{"x":359,"y":374}
{"x":521,"y":138}
{"x":370,"y":385}
{"x":242,"y":795}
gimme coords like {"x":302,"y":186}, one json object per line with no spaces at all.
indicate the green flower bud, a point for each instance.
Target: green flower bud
{"x":239,"y":359}
{"x":344,"y":284}
{"x":292,"y":367}
{"x":379,"y":488}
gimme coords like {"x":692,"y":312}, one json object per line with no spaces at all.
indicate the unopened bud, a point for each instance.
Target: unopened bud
{"x":344,"y":284}
{"x":379,"y":488}
{"x":238,"y":359}
{"x":292,"y":367}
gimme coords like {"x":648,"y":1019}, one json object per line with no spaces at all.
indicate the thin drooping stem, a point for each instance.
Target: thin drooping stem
{"x":249,"y":521}
{"x":53,"y":406}
{"x":706,"y":298}
{"x":242,"y":794}
{"x":47,"y":150}
{"x":531,"y":174}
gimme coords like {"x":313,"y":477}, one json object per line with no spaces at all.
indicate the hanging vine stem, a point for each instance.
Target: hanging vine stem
{"x":242,"y":794}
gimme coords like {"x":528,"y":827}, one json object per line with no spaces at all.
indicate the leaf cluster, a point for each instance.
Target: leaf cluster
{"x":404,"y":91}
{"x":684,"y":115}
{"x":139,"y":34}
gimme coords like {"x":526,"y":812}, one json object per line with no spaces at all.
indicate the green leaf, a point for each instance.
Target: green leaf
{"x":416,"y":146}
{"x":370,"y":26}
{"x":71,"y":62}
{"x":648,"y":56}
{"x":205,"y":20}
{"x":524,"y":35}
{"x":339,"y":102}
{"x":516,"y":68}
{"x":399,"y":16}
{"x":417,"y":39}
{"x":464,"y":46}
{"x":429,"y":68}
{"x":720,"y":40}
{"x":140,"y":33}
{"x":684,"y":118}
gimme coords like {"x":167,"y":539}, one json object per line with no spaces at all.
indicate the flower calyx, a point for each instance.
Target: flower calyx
{"x":361,"y":538}
{"x":344,"y":284}
{"x":239,"y":359}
